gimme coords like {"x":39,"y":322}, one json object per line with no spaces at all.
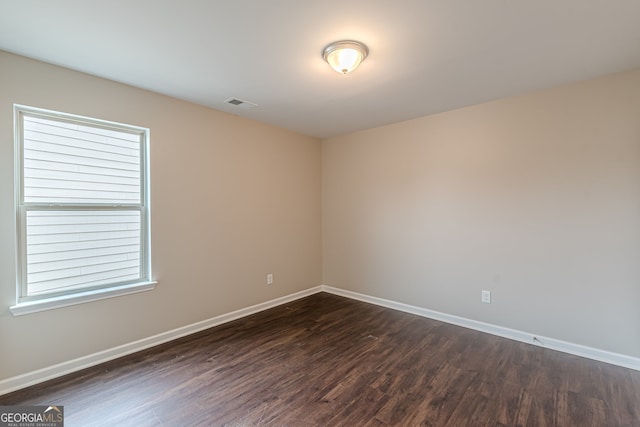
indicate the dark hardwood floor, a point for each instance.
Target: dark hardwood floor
{"x":330,"y":361}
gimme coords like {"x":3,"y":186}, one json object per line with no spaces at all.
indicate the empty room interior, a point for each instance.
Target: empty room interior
{"x":329,"y":213}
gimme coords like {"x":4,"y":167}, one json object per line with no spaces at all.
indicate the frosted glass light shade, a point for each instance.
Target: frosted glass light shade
{"x":345,"y":56}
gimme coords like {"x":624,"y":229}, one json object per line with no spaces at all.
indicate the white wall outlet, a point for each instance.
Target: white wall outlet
{"x":486,"y":297}
{"x":270,"y":279}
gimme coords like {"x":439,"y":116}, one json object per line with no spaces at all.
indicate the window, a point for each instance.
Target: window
{"x":82,"y":209}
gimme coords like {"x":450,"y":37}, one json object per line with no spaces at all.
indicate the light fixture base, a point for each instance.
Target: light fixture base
{"x":344,"y":56}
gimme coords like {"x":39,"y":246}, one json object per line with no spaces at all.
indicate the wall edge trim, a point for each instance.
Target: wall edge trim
{"x":28,"y":379}
{"x":525,"y":337}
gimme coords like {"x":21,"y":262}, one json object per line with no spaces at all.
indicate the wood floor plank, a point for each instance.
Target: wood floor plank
{"x":325,"y":360}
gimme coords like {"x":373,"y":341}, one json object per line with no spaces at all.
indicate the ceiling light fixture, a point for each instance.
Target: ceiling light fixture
{"x":345,"y":56}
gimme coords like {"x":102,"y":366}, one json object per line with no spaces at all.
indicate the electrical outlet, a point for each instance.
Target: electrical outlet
{"x":270,"y":279}
{"x":486,"y":297}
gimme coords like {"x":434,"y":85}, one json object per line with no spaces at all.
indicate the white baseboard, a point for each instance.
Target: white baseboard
{"x":31,"y":378}
{"x":525,"y":337}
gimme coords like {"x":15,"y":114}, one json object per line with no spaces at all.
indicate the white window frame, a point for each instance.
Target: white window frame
{"x":26,"y":303}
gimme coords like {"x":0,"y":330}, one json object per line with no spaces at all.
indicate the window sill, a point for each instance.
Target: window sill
{"x":79,"y":298}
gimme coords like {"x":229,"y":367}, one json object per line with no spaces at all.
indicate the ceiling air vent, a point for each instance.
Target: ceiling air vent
{"x":240,"y":103}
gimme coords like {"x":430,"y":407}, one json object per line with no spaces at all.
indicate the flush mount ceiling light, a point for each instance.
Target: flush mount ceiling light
{"x":345,"y":56}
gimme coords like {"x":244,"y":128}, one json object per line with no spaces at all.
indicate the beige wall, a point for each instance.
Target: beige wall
{"x":535,"y":198}
{"x":231,"y":200}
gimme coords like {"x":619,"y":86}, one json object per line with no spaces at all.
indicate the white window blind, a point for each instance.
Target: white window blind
{"x":82,"y":208}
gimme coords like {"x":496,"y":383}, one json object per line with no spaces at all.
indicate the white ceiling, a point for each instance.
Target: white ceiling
{"x":426,"y":56}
